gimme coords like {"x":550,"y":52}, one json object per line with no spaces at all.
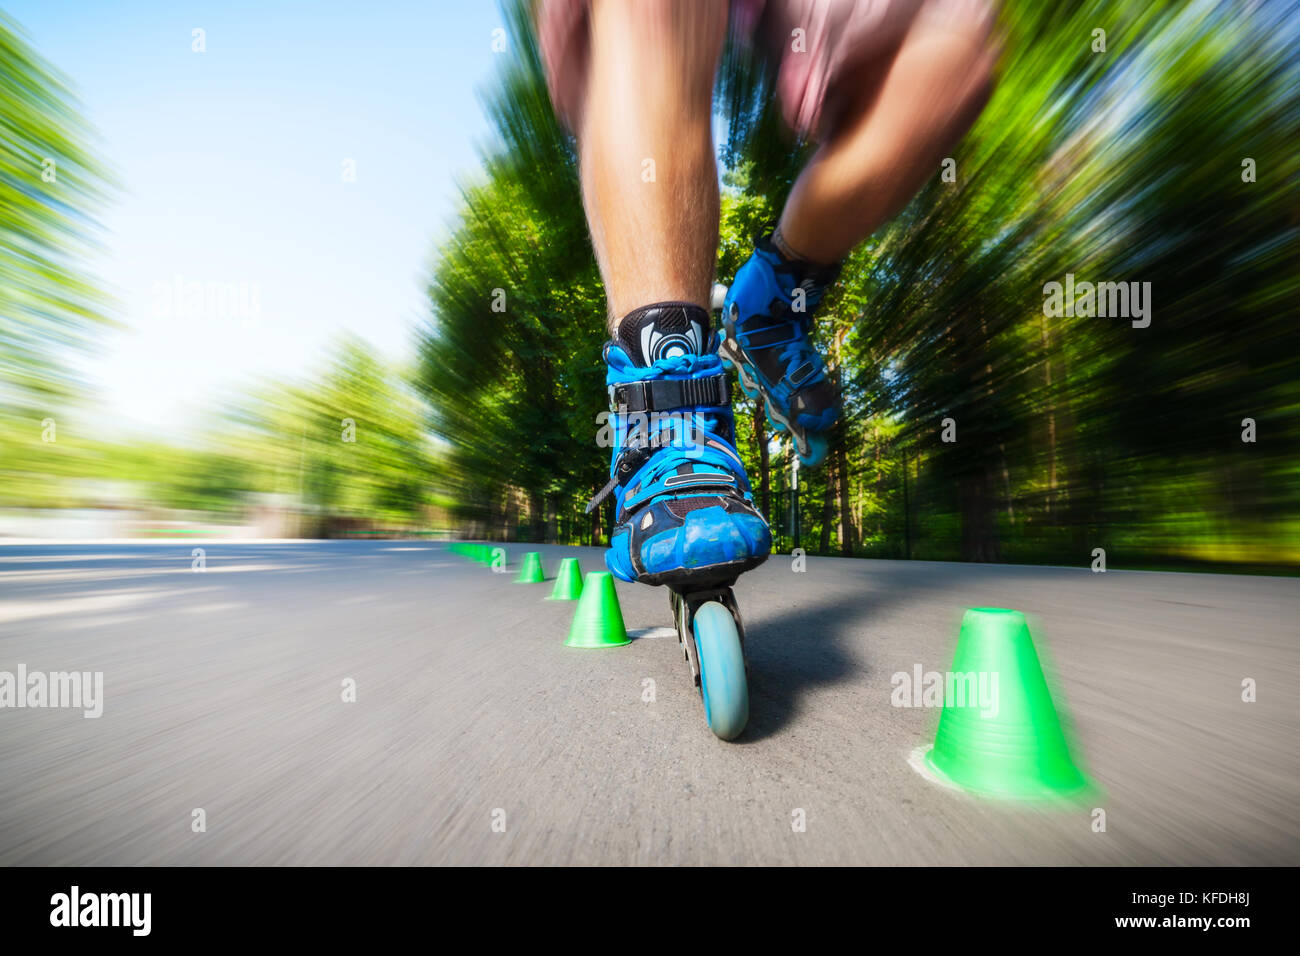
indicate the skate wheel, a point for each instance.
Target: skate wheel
{"x":817,"y":448}
{"x":772,"y":423}
{"x":722,"y":670}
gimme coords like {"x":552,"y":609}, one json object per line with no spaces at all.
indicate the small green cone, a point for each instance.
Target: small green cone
{"x":1015,"y":748}
{"x":568,"y":581}
{"x":598,"y":622}
{"x":531,"y":572}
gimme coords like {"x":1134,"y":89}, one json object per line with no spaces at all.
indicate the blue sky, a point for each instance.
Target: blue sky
{"x":232,"y":166}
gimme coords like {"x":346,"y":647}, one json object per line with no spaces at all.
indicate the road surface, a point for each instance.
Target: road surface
{"x":477,"y":737}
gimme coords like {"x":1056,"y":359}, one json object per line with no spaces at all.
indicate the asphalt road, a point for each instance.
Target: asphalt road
{"x":223,"y":691}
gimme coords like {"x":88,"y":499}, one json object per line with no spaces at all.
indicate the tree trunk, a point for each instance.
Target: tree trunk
{"x":1006,"y":484}
{"x":511,"y":521}
{"x":1051,"y":422}
{"x":880,"y":483}
{"x":979,"y":539}
{"x":828,"y":511}
{"x":764,"y":472}
{"x":536,"y":516}
{"x":595,"y":523}
{"x":848,"y":534}
{"x":907,"y":516}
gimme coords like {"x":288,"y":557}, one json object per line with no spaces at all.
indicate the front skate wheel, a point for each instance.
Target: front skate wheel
{"x":722,"y":670}
{"x":814,"y":451}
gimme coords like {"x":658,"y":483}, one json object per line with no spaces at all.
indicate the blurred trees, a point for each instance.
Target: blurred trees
{"x":51,"y":188}
{"x":1166,"y":159}
{"x":1076,"y":432}
{"x":511,"y":364}
{"x":1123,"y":165}
{"x":347,"y":447}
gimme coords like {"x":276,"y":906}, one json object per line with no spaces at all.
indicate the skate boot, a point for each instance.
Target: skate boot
{"x":685,"y":514}
{"x":768,"y":340}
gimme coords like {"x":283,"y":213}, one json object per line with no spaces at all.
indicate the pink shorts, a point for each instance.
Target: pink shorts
{"x":839,"y":37}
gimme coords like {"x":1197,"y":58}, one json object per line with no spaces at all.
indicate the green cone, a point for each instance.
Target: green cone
{"x":568,"y":581}
{"x":598,"y":622}
{"x":1009,"y":744}
{"x":531,"y":572}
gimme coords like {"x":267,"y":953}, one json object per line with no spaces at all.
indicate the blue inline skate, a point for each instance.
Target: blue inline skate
{"x":767,"y":329}
{"x":684,"y":510}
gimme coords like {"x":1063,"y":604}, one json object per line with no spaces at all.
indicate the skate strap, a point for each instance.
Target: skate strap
{"x":797,"y":376}
{"x":631,"y":459}
{"x":662,"y":395}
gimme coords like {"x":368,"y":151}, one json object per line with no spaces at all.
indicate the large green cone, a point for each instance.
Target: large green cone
{"x":598,"y":621}
{"x":1017,"y":748}
{"x":568,"y":581}
{"x":531,"y":572}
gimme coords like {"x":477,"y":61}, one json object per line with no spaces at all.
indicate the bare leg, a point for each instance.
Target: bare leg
{"x":898,"y":121}
{"x":649,"y":179}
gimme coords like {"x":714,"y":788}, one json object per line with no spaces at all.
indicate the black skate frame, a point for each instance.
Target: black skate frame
{"x":684,"y":604}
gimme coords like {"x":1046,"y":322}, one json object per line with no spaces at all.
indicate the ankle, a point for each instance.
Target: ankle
{"x":797,"y":269}
{"x":792,"y":255}
{"x":663,"y":330}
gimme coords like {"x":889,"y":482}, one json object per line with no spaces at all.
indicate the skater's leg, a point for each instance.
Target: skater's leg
{"x":889,"y":86}
{"x":649,"y":179}
{"x":897,"y":118}
{"x":635,"y":80}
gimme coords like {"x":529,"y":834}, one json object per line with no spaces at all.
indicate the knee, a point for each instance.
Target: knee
{"x":670,"y":47}
{"x":972,"y":22}
{"x":690,"y":32}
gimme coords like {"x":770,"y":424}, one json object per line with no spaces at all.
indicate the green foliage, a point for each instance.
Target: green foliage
{"x":511,"y":364}
{"x":349,"y":444}
{"x":1072,"y":432}
{"x":50,"y":187}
